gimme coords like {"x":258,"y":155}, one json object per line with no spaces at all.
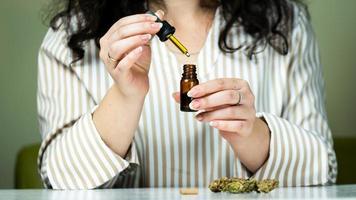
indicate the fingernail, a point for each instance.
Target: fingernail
{"x":156,"y":25}
{"x":199,"y":117}
{"x":160,"y":12}
{"x":191,"y":93}
{"x":213,"y":123}
{"x":194,"y":105}
{"x":151,"y":17}
{"x":138,"y":50}
{"x":146,"y":37}
{"x":200,"y":111}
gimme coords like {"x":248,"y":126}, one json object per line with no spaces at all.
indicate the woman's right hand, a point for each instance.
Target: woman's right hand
{"x":127,"y":42}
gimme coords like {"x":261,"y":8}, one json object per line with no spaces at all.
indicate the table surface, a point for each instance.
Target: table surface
{"x":336,"y":191}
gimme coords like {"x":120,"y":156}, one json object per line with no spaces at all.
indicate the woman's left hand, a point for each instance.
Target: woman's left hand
{"x":227,"y":103}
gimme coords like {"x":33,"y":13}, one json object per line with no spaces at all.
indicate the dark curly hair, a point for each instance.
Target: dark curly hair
{"x":269,"y":22}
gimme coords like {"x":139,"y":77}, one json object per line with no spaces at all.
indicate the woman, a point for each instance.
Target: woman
{"x":108,"y":119}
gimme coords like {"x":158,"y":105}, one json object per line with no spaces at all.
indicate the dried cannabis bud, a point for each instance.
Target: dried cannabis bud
{"x":219,"y":184}
{"x":239,"y":185}
{"x":266,"y":185}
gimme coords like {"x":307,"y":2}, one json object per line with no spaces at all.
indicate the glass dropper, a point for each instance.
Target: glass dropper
{"x":166,"y":33}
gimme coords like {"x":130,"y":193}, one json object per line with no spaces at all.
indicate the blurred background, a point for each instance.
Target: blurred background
{"x":22,"y":30}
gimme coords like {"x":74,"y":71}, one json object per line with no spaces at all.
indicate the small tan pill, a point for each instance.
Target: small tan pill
{"x":188,"y":191}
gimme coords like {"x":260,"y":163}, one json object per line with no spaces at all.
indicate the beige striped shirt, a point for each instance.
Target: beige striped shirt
{"x":171,"y":148}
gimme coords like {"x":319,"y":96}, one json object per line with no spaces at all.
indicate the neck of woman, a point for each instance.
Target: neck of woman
{"x":179,"y":12}
{"x":192,"y":22}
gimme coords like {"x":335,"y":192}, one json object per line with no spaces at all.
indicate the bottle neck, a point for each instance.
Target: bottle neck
{"x":189,"y":72}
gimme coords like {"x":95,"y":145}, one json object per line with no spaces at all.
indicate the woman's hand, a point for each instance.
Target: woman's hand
{"x":218,"y":103}
{"x":125,"y":51}
{"x":127,"y":57}
{"x":228,"y":104}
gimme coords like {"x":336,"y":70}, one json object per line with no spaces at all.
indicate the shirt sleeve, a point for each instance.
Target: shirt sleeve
{"x":72,"y":153}
{"x":301,"y":145}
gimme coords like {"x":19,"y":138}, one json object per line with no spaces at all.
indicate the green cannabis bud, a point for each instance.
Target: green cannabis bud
{"x":239,"y":185}
{"x":219,"y":185}
{"x":266,"y":185}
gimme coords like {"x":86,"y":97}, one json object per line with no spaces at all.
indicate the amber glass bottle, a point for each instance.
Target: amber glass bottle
{"x":189,"y":80}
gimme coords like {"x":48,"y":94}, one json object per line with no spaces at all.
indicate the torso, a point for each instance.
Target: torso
{"x":176,"y":149}
{"x":173,"y":148}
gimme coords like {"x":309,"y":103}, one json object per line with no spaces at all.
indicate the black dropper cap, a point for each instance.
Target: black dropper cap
{"x":166,"y":29}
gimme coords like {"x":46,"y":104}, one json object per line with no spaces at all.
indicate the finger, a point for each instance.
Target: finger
{"x":134,"y":19}
{"x":125,"y":64}
{"x":230,"y":125}
{"x":176,"y":97}
{"x":224,"y":97}
{"x":135,"y":29}
{"x":130,"y":20}
{"x":216,"y":85}
{"x":227,"y":113}
{"x":119,"y":48}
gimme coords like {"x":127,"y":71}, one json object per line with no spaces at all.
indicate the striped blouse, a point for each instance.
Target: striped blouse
{"x":171,"y":148}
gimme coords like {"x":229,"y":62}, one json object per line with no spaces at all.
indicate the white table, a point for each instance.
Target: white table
{"x":336,"y":192}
